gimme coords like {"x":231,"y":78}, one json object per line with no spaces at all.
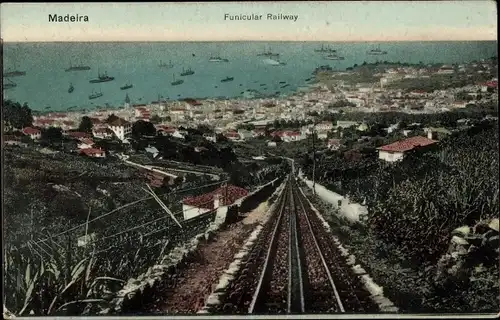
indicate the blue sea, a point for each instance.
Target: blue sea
{"x":46,"y":83}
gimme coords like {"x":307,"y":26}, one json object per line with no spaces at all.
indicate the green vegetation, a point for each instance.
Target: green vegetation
{"x":413,"y":206}
{"x":85,"y":125}
{"x":51,"y":201}
{"x":16,"y":115}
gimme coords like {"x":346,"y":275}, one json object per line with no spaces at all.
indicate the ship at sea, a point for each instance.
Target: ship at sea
{"x":217,"y":59}
{"x":9,"y":85}
{"x":268,"y":53}
{"x":15,"y":73}
{"x":326,"y":49}
{"x":95,"y":95}
{"x":274,"y":62}
{"x":77,"y":68}
{"x":176,"y":82}
{"x":377,"y":52}
{"x":187,"y":72}
{"x":102,"y":77}
{"x":334,"y":57}
{"x":165,"y":65}
{"x":71,"y":88}
{"x":127,"y":86}
{"x":227,"y":79}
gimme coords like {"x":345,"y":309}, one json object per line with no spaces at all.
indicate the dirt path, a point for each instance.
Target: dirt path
{"x":199,"y":279}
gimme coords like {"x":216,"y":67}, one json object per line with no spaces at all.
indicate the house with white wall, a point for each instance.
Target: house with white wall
{"x":120,"y":127}
{"x":396,"y":151}
{"x":223,"y":196}
{"x":33,"y":133}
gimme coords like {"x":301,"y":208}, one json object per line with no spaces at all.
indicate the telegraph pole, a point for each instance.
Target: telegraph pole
{"x":314,"y":160}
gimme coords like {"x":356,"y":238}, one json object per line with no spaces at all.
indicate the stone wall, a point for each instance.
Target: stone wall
{"x":471,"y":249}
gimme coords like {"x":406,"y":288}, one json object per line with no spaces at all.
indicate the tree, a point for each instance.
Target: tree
{"x":112,"y":117}
{"x":143,"y":128}
{"x":17,"y":116}
{"x":85,"y":124}
{"x":155,"y":119}
{"x":52,"y":134}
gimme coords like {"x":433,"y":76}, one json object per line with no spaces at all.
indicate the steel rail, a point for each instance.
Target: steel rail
{"x":320,"y":253}
{"x":294,"y":265}
{"x":270,"y":250}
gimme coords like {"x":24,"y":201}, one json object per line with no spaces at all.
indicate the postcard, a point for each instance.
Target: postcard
{"x":312,"y":159}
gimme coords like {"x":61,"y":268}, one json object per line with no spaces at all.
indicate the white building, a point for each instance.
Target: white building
{"x":33,"y":133}
{"x":396,"y":151}
{"x":121,"y":128}
{"x":346,"y":124}
{"x":324,"y":126}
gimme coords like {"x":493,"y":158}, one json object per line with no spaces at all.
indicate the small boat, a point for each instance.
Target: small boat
{"x":127,"y":86}
{"x":77,"y":68}
{"x":15,"y":73}
{"x":9,"y":85}
{"x":71,"y":88}
{"x":217,"y":59}
{"x":193,"y":55}
{"x":187,"y":72}
{"x":286,"y":85}
{"x":176,"y":82}
{"x":274,"y":62}
{"x":102,"y":77}
{"x":308,"y":79}
{"x":95,"y":95}
{"x":377,"y":52}
{"x":227,"y":79}
{"x":325,"y":49}
{"x":334,"y":57}
{"x":282,"y":82}
{"x":167,"y":66}
{"x":262,"y":84}
{"x":268,"y":54}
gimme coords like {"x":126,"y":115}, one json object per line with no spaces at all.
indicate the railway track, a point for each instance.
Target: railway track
{"x":295,"y":268}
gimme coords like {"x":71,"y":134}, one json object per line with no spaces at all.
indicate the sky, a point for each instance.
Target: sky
{"x":204,"y":21}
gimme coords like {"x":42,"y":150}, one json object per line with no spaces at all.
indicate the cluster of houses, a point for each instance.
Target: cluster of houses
{"x":224,"y":196}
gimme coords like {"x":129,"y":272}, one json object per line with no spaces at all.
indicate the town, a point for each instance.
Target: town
{"x":195,"y":176}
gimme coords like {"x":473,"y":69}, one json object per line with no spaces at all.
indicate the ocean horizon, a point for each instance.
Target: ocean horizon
{"x":46,"y":82}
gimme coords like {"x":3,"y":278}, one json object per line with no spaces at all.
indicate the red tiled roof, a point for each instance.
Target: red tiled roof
{"x":492,"y":84}
{"x":87,"y":141}
{"x":119,"y":123}
{"x":407,"y":144}
{"x":45,"y":121}
{"x":167,"y":130}
{"x":76,"y":134}
{"x":232,"y":134}
{"x":206,"y":201}
{"x":92,"y":151}
{"x":30,"y":130}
